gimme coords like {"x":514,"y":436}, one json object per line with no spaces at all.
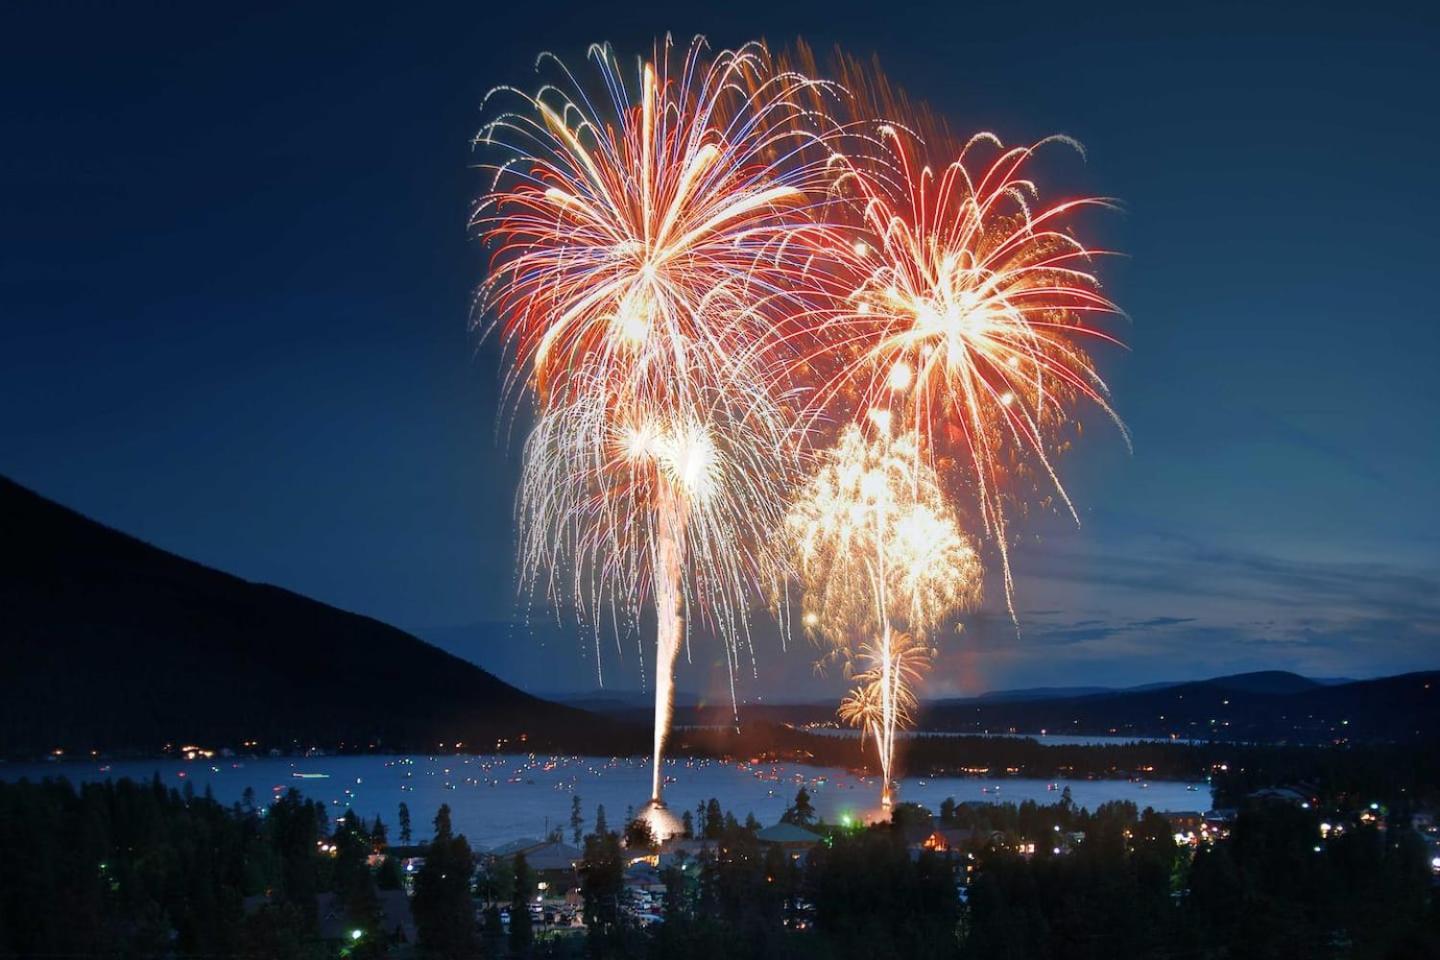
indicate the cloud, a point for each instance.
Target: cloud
{"x":1176,"y":568}
{"x":1156,"y":607}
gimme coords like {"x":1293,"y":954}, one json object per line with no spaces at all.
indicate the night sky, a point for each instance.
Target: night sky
{"x":235,"y":286}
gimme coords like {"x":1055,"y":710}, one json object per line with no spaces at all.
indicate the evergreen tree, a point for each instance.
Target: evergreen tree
{"x":947,"y":810}
{"x":602,"y":879}
{"x":405,"y":835}
{"x":714,"y":820}
{"x":292,"y":822}
{"x":601,"y":827}
{"x":577,"y":821}
{"x":801,"y":813}
{"x":444,"y":913}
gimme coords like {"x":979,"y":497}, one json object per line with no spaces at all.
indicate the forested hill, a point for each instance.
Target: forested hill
{"x":112,"y":644}
{"x":1269,"y":707}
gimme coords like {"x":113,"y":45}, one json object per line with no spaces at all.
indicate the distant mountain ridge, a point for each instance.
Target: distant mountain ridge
{"x":1040,"y":693}
{"x":1270,"y":706}
{"x":1266,"y":705}
{"x":1261,"y":681}
{"x":112,"y":644}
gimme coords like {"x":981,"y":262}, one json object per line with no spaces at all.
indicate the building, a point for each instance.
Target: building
{"x":960,"y":839}
{"x":552,"y":857}
{"x":554,"y":864}
{"x":794,"y":840}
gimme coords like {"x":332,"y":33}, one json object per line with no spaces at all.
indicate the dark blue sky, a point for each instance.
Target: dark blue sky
{"x":234,"y":290}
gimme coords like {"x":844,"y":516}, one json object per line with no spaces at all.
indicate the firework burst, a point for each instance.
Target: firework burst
{"x":969,"y":305}
{"x":883,"y":697}
{"x":651,"y":243}
{"x":881,"y":557}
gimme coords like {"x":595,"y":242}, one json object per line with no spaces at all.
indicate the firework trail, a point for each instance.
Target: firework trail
{"x":880,"y":555}
{"x":652,"y":242}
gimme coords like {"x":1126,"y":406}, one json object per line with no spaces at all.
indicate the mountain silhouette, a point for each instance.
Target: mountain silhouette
{"x":111,"y":644}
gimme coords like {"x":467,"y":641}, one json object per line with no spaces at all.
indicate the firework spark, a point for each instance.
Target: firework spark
{"x":651,"y":243}
{"x":881,"y":557}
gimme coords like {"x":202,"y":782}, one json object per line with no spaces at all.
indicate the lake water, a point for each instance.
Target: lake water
{"x":496,"y":799}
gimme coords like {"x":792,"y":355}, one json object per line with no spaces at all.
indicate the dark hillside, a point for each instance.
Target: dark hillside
{"x":112,"y":644}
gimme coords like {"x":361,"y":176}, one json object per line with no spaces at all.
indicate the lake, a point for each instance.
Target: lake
{"x":496,"y":799}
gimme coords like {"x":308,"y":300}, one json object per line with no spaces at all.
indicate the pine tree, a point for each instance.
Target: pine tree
{"x":602,"y":879}
{"x":577,"y":821}
{"x":444,"y":913}
{"x":802,"y":813}
{"x":404,"y":823}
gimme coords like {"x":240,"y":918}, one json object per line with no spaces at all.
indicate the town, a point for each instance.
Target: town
{"x":288,"y":879}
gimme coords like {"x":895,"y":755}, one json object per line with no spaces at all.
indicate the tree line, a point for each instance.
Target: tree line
{"x":129,"y":869}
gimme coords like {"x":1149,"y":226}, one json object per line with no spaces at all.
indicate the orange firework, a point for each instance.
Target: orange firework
{"x":652,"y":239}
{"x":969,"y":305}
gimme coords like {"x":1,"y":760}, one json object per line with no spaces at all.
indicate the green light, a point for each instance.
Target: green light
{"x":845,"y":819}
{"x":356,"y":934}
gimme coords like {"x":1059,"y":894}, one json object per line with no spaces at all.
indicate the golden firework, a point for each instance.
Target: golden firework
{"x":881,"y":557}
